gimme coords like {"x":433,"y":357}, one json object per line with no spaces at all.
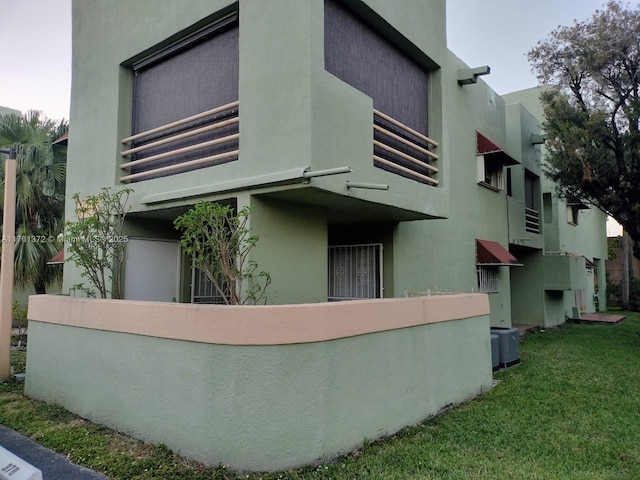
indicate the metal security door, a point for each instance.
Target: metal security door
{"x":355,"y":271}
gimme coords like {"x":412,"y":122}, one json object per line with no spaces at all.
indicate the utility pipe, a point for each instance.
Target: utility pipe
{"x":368,"y":186}
{"x":328,"y":171}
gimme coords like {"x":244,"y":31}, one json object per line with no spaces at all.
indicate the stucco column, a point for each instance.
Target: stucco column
{"x":6,"y":267}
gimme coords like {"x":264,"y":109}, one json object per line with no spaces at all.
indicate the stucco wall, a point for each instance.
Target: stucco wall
{"x":292,"y":249}
{"x":293,"y":114}
{"x":258,"y":388}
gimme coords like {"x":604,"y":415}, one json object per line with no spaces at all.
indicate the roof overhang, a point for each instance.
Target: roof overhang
{"x":575,"y":201}
{"x":63,"y":140}
{"x":492,"y":151}
{"x":492,"y":254}
{"x":57,"y":259}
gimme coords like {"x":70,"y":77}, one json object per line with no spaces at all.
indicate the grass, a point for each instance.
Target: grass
{"x":571,"y":410}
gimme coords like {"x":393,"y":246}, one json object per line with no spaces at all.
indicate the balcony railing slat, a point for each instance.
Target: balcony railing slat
{"x":182,"y":121}
{"x":178,"y":151}
{"x":191,"y":133}
{"x":531,"y":220}
{"x":404,"y":141}
{"x":174,"y":151}
{"x":180,"y":166}
{"x":409,"y":158}
{"x":405,"y":170}
{"x":404,"y":127}
{"x":402,"y":150}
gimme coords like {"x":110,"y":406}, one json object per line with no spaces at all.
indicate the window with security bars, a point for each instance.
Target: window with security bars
{"x":488,"y":279}
{"x":355,"y":272}
{"x":203,"y":290}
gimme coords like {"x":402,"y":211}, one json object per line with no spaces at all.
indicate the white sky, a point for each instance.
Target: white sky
{"x":35,"y":44}
{"x":499,"y":33}
{"x":35,"y":54}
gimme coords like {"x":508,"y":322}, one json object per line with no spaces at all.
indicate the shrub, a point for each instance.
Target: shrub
{"x":95,"y":242}
{"x":19,"y":324}
{"x":219,"y":243}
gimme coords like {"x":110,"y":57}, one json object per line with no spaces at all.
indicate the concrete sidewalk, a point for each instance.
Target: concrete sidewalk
{"x":52,"y":465}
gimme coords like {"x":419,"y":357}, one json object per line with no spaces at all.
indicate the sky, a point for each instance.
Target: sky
{"x":499,"y":33}
{"x":35,"y":44}
{"x":35,"y":53}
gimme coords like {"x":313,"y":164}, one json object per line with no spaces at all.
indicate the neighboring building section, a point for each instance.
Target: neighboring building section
{"x":9,"y":111}
{"x":572,"y":273}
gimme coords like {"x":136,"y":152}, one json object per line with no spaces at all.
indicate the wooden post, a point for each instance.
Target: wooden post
{"x":6,"y":266}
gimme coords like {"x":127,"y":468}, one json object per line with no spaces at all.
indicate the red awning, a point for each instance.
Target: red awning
{"x":491,"y":150}
{"x":57,"y":258}
{"x":63,"y":140}
{"x":490,"y":253}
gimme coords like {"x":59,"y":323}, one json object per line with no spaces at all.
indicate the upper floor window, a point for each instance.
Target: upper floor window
{"x":573,"y":214}
{"x":399,"y":87}
{"x":574,"y":205}
{"x":490,"y":173}
{"x":490,"y":162}
{"x":358,"y":55}
{"x":530,"y":190}
{"x":184,"y":102}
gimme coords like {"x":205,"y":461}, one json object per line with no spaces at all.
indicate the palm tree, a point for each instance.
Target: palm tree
{"x":40,"y":180}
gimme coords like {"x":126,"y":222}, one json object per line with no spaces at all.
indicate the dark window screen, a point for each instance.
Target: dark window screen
{"x":529,"y":190}
{"x":193,"y":80}
{"x":359,"y":56}
{"x":200,"y":78}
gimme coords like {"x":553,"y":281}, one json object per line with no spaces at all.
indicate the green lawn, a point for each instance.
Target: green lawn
{"x":571,"y":410}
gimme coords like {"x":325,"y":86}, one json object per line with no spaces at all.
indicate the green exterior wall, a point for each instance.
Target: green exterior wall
{"x":440,"y":255}
{"x":294,"y":116}
{"x":567,"y":245}
{"x":527,"y":292}
{"x":292,"y":248}
{"x":260,"y":407}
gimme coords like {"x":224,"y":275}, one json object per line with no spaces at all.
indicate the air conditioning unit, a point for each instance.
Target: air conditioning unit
{"x":508,"y":354}
{"x":495,"y":352}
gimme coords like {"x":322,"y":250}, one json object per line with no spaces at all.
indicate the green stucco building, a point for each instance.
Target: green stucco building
{"x":376,"y":165}
{"x":375,"y":162}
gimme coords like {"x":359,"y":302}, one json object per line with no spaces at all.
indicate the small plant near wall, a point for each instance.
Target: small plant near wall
{"x":219,"y":243}
{"x":19,"y":324}
{"x":95,"y":241}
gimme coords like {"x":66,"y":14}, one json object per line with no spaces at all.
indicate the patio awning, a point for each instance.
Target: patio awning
{"x":493,"y":151}
{"x":490,"y":253}
{"x":57,"y":259}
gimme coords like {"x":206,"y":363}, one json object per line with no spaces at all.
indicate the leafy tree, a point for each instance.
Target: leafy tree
{"x":592,"y":111}
{"x":219,"y":243}
{"x":96,"y":241}
{"x":40,"y":181}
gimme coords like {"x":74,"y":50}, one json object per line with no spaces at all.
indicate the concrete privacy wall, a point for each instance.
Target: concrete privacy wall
{"x":258,"y":388}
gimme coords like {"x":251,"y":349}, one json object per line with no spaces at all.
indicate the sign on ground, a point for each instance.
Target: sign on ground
{"x":13,"y":467}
